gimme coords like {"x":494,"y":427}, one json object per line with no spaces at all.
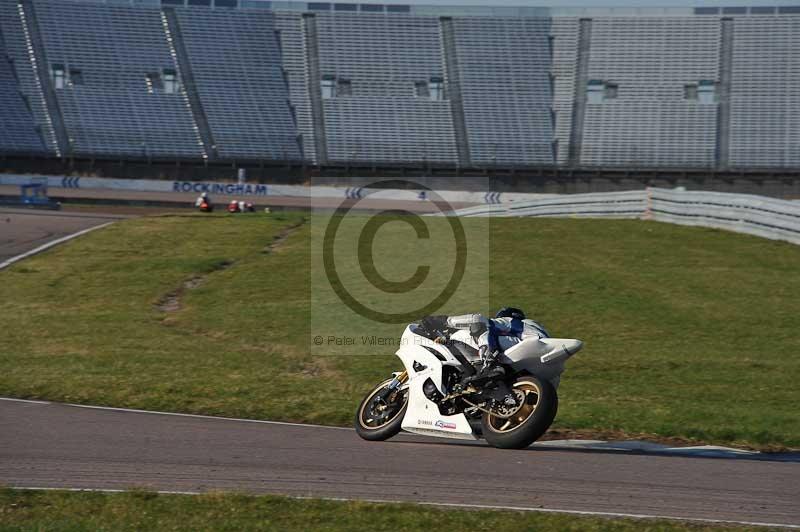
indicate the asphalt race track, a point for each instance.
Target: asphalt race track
{"x":50,"y":445}
{"x":24,"y":229}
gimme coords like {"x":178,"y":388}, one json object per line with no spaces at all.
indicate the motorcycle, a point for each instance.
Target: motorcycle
{"x":452,"y":388}
{"x":240,"y":206}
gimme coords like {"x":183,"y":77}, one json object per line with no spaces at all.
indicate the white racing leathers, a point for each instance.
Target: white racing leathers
{"x":501,"y":333}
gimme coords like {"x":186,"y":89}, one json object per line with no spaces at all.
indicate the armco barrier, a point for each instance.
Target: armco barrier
{"x":755,"y":215}
{"x":628,"y":204}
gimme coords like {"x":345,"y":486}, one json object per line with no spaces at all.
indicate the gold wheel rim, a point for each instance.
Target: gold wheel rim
{"x":532,"y":393}
{"x":362,"y":418}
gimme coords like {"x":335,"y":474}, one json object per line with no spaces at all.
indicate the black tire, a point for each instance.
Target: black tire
{"x":533,"y":426}
{"x":385,"y":428}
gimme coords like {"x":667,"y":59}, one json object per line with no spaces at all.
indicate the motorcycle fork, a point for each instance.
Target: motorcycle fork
{"x":400,"y":379}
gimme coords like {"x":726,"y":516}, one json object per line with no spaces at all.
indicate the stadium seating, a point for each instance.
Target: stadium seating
{"x":382,"y":119}
{"x":111,"y":110}
{"x":343,"y":82}
{"x":505,"y":78}
{"x":765,"y":92}
{"x":28,"y":84}
{"x":649,"y":122}
{"x":236,"y":64}
{"x":17,"y":133}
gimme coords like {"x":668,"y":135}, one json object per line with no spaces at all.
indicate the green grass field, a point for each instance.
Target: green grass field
{"x":690,"y":333}
{"x":118,"y":512}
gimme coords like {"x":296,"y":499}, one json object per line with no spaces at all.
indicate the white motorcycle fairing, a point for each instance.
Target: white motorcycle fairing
{"x":543,"y":357}
{"x":422,"y":415}
{"x":424,"y":359}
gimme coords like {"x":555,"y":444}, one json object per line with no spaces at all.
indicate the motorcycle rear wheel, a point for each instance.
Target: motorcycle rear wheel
{"x":378,"y":420}
{"x":531,"y":419}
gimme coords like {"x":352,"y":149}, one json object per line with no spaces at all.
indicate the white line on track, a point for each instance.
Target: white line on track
{"x":176,"y":414}
{"x":458,"y":505}
{"x":24,"y":401}
{"x":52,"y":243}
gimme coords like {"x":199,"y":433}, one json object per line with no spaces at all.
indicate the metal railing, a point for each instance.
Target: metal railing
{"x":743,"y":213}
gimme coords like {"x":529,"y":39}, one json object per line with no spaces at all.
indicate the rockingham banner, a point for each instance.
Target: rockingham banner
{"x":262,"y":190}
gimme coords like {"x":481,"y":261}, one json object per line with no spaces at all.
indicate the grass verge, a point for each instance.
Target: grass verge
{"x":22,"y":510}
{"x":690,"y":333}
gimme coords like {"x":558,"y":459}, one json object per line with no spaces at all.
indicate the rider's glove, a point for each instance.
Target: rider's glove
{"x":489,"y":356}
{"x":486,"y":355}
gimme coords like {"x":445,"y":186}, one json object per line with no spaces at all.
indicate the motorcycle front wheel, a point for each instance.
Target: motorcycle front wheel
{"x":380,"y":415}
{"x":521,"y":425}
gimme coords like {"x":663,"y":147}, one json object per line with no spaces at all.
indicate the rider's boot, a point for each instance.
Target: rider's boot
{"x":485,"y":372}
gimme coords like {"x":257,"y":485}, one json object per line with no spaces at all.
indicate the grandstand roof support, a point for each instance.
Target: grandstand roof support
{"x":315,"y":87}
{"x":581,"y":80}
{"x":42,"y":70}
{"x":724,"y":106}
{"x":453,"y":74}
{"x":8,"y":66}
{"x":187,"y":81}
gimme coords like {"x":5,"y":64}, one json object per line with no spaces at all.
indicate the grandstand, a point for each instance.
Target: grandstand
{"x":648,"y":118}
{"x":240,"y":82}
{"x":322,"y":83}
{"x":107,"y":68}
{"x":504,"y":67}
{"x":380,"y":106}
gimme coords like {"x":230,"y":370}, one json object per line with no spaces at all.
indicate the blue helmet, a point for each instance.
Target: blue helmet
{"x":510,"y":312}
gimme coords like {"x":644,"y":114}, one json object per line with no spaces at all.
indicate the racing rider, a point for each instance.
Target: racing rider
{"x":493,"y":336}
